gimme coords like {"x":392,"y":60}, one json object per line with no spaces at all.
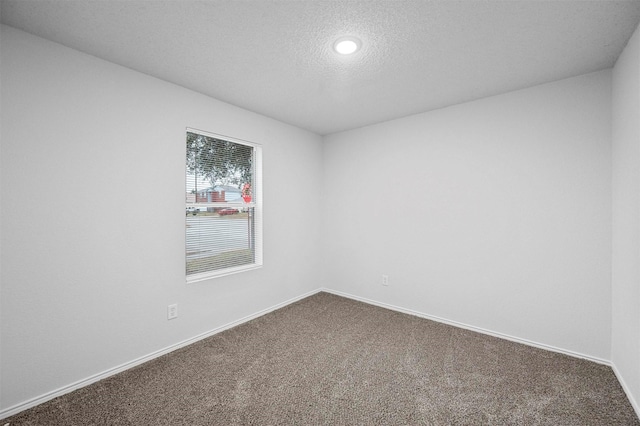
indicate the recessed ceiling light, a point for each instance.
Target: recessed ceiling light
{"x":347,"y":45}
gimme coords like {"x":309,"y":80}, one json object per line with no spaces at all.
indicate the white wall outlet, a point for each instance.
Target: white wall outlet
{"x":385,"y":279}
{"x":172,"y":311}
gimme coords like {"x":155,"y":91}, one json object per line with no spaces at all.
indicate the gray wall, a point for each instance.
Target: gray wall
{"x":494,"y":213}
{"x":625,"y":346}
{"x":88,"y":274}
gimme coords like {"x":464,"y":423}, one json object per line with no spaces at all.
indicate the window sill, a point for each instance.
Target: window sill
{"x":196,"y":278}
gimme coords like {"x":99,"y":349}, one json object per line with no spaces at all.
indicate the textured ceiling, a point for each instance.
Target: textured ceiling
{"x":274,"y":57}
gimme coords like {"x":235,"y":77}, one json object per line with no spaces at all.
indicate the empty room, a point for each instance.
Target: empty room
{"x":393,"y":212}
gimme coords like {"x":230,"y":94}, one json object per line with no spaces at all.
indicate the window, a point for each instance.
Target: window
{"x":223,"y":205}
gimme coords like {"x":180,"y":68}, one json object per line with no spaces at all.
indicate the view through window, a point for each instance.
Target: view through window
{"x":223,"y":226}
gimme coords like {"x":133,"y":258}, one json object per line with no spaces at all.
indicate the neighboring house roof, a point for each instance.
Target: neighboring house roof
{"x":218,"y":188}
{"x":226,"y":188}
{"x":231,"y":192}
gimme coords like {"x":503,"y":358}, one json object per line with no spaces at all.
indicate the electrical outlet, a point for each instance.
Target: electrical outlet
{"x":172,"y":311}
{"x":385,"y":279}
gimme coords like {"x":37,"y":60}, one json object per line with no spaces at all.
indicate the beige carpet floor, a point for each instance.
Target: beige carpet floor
{"x":328,"y":360}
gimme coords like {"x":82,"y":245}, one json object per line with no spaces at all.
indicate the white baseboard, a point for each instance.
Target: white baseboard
{"x":626,"y":389}
{"x":11,"y":411}
{"x":469,"y":327}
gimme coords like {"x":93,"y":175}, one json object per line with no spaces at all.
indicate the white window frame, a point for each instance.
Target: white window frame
{"x":256,"y":203}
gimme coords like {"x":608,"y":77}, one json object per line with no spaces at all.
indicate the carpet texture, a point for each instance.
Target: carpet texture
{"x":328,"y":360}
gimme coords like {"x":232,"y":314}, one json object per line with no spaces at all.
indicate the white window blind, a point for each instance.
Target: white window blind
{"x":223,"y":205}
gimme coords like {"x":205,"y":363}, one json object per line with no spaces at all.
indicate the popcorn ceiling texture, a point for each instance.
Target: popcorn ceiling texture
{"x":275,"y":57}
{"x":327,"y":360}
